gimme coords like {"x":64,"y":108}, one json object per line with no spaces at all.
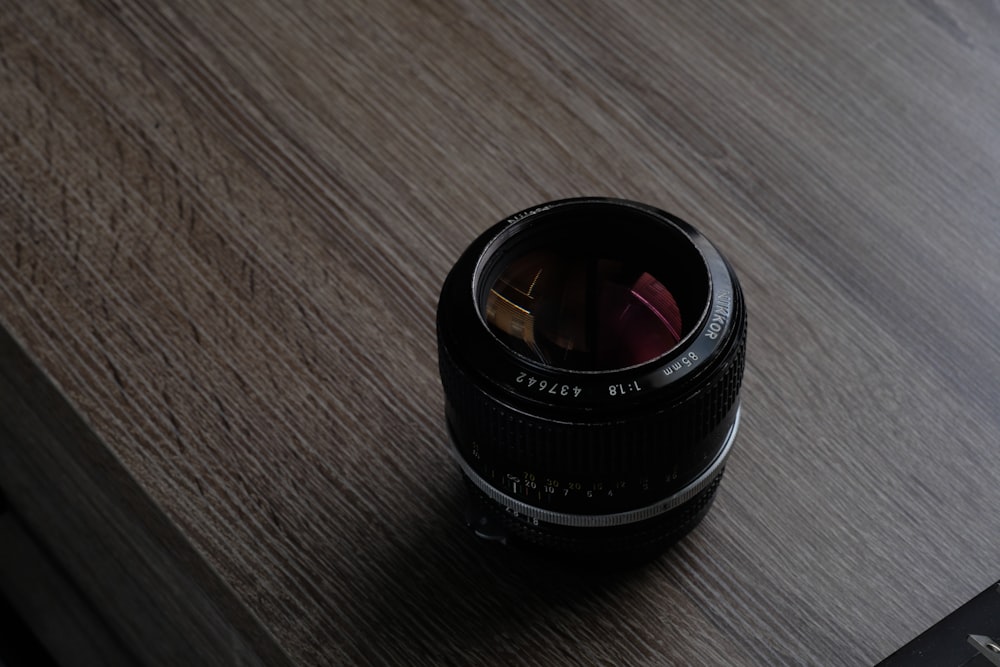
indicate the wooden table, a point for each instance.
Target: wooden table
{"x":223,"y":228}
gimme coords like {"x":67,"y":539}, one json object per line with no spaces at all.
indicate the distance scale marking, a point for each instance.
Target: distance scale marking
{"x":528,"y":484}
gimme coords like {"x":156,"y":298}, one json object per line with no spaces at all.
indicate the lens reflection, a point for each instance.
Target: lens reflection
{"x":581,"y":312}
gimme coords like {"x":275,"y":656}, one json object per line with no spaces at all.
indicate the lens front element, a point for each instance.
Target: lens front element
{"x":582,"y":312}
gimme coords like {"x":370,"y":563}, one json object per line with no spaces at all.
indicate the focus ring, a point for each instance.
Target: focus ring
{"x":634,"y":515}
{"x":636,"y":541}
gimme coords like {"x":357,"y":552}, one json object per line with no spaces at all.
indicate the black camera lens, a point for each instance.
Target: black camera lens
{"x":591,"y":352}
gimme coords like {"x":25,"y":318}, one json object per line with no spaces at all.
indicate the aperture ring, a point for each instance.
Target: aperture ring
{"x":667,"y":504}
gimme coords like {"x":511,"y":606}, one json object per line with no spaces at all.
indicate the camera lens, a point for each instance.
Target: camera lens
{"x":591,"y":352}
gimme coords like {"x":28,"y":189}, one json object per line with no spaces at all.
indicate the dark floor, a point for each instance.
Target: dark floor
{"x":46,"y":620}
{"x":18,"y":645}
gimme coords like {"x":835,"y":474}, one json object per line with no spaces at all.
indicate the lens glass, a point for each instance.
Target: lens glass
{"x":589,"y":295}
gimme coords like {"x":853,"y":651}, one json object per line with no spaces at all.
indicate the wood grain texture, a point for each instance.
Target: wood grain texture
{"x":223,"y":227}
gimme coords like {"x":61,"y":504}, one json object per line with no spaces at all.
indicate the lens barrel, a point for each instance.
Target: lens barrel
{"x":591,"y":353}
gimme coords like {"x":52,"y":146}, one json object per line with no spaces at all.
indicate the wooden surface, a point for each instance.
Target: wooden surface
{"x":223,"y":227}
